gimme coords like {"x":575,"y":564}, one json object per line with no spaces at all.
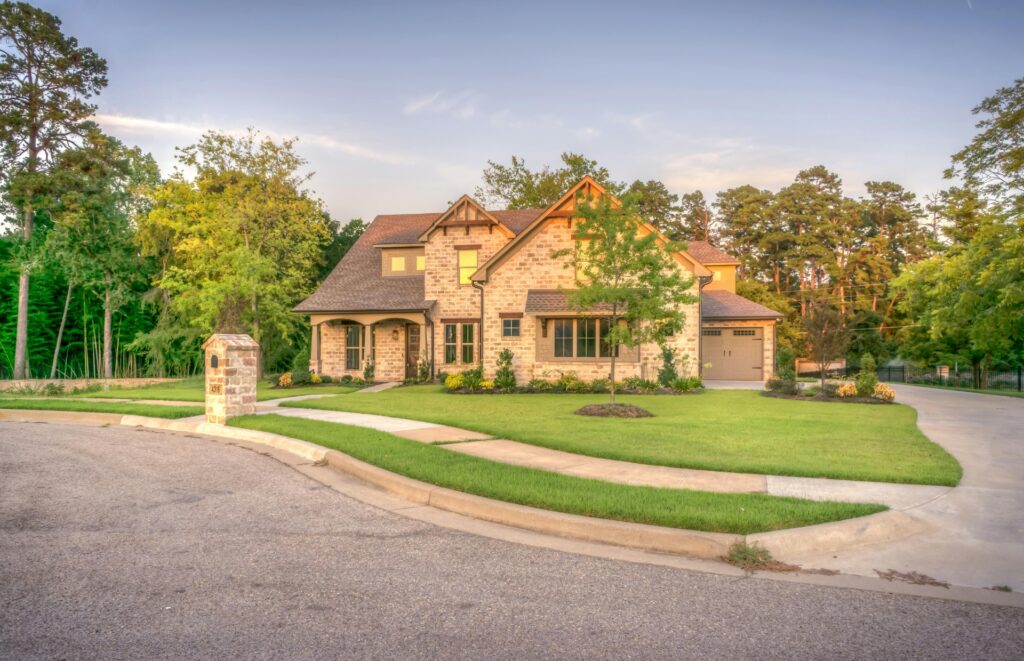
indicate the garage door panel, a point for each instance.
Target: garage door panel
{"x":734,"y":354}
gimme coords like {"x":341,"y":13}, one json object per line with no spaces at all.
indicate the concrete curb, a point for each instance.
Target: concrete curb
{"x":784,"y":544}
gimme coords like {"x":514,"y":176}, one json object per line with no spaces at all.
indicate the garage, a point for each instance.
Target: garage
{"x":733,"y":354}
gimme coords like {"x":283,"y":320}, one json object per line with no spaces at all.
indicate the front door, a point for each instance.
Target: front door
{"x":412,"y":350}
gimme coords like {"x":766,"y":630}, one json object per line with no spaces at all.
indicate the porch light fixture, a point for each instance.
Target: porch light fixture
{"x":394,"y":334}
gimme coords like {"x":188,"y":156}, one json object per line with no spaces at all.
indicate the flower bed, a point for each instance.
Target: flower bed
{"x":471,"y":382}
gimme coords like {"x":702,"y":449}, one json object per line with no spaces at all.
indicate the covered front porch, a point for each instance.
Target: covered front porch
{"x":394,"y":343}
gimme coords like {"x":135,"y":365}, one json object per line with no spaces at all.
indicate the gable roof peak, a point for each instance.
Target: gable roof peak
{"x":465,"y":211}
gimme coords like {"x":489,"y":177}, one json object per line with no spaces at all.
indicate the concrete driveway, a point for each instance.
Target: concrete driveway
{"x":118,"y":543}
{"x":978,"y":538}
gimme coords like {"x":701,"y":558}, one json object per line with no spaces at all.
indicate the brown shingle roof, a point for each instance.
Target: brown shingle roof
{"x":718,"y":304}
{"x":550,"y":301}
{"x":705,"y":253}
{"x":356,"y":283}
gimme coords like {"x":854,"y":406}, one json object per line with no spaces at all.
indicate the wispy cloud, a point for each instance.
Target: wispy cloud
{"x":461,"y":105}
{"x":144,"y":126}
{"x":725,"y":163}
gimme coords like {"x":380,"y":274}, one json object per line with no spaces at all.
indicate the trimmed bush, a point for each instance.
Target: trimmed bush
{"x":285,"y":380}
{"x":326,"y":378}
{"x":453,"y":382}
{"x":884,"y":393}
{"x":601,"y":385}
{"x":846,"y":390}
{"x":685,"y":384}
{"x":486,"y":385}
{"x":667,"y":373}
{"x":782,"y":386}
{"x":471,"y":379}
{"x":346,"y":379}
{"x":315,"y":378}
{"x":300,"y":377}
{"x":540,"y":385}
{"x":505,"y":378}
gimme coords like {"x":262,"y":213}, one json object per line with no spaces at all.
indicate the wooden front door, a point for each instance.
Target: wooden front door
{"x":412,"y":350}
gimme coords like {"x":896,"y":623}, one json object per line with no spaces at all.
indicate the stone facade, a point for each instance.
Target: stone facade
{"x":231,"y":365}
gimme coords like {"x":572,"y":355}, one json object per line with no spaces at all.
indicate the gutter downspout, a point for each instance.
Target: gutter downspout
{"x":480,"y":360}
{"x":702,"y":280}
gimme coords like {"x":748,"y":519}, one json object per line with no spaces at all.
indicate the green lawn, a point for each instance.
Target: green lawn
{"x":728,"y":430}
{"x":677,"y":508}
{"x":191,"y":390}
{"x":122,"y":408}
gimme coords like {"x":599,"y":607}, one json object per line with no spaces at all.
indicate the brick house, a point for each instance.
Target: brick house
{"x":450,"y":290}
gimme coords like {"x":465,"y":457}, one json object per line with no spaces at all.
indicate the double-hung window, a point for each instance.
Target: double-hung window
{"x":467,"y":343}
{"x":563,"y":338}
{"x":451,"y":343}
{"x":586,"y":339}
{"x":353,"y":346}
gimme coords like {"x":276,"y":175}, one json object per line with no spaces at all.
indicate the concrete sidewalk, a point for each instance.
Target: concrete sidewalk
{"x":895,"y":496}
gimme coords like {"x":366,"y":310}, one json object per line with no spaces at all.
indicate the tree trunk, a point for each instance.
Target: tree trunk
{"x":108,"y":333}
{"x":256,"y":336}
{"x":21,"y":332}
{"x":60,"y":333}
{"x":613,"y":350}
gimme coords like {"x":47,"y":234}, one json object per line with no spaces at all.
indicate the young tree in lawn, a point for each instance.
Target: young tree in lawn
{"x":626,"y":271}
{"x":827,"y":333}
{"x":95,"y":198}
{"x":45,"y":78}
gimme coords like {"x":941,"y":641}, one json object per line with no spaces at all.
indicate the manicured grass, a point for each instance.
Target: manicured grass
{"x":677,"y":508}
{"x":191,"y":390}
{"x":122,"y":408}
{"x":727,"y":430}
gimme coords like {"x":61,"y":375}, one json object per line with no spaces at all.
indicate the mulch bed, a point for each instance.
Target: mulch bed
{"x":823,"y":398}
{"x":614,"y":411}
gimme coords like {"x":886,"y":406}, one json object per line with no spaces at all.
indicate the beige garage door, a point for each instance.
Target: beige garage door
{"x":733,"y":354}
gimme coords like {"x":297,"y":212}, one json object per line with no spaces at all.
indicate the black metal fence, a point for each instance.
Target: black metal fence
{"x":1012,"y":379}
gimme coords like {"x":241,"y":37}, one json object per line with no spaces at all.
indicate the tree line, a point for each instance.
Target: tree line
{"x":938,"y":280}
{"x":109,"y":269}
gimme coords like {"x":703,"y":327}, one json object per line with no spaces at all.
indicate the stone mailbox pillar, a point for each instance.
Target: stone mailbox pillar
{"x":230,"y":376}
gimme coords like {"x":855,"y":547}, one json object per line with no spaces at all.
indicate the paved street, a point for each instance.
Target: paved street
{"x":124,"y":543}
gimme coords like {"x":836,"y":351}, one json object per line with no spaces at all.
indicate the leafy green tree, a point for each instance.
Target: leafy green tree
{"x":827,"y":333}
{"x":789,"y":332}
{"x":515,"y":186}
{"x":237,"y":246}
{"x":95,"y":198}
{"x":658,"y":207}
{"x":628,"y":273}
{"x":993,"y":163}
{"x":754,"y":232}
{"x":697,"y":219}
{"x":45,"y":80}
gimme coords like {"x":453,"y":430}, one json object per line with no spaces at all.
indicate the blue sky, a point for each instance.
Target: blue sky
{"x":398,"y":106}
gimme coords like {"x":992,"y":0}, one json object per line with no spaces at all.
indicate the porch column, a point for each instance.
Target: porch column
{"x":314,"y":348}
{"x":368,"y":349}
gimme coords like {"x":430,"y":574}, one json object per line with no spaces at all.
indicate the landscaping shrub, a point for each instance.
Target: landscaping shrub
{"x":786,"y":364}
{"x":846,"y":390}
{"x":505,"y":378}
{"x":883,"y":392}
{"x":867,"y":379}
{"x":368,"y":371}
{"x":600,"y":385}
{"x":301,"y":360}
{"x":471,"y":379}
{"x":811,"y":391}
{"x":640,"y":384}
{"x":285,"y":380}
{"x":540,"y":385}
{"x":571,"y":382}
{"x":300,"y":377}
{"x":830,"y":389}
{"x":782,"y":386}
{"x":453,"y":382}
{"x":685,"y":384}
{"x":358,"y":382}
{"x":314,"y":378}
{"x":667,"y":372}
{"x":442,"y":375}
{"x":346,"y":379}
{"x":326,"y":378}
{"x":423,"y":371}
{"x":486,"y":385}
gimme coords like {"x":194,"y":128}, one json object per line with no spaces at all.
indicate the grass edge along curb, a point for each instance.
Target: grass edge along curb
{"x":674,"y":508}
{"x":119,"y":408}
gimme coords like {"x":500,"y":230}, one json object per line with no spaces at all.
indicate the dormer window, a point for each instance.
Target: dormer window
{"x":402,"y":261}
{"x":397,"y":264}
{"x":421,"y":262}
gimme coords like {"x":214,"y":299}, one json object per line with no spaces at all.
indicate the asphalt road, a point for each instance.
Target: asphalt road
{"x":118,"y":543}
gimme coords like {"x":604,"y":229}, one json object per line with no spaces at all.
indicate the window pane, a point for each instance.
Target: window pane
{"x":510,"y":327}
{"x":467,"y":343}
{"x":397,"y":264}
{"x":353,"y":347}
{"x":421,"y":262}
{"x":467,"y":266}
{"x":563,"y":338}
{"x":606,"y":350}
{"x":586,"y":343}
{"x":450,"y":346}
